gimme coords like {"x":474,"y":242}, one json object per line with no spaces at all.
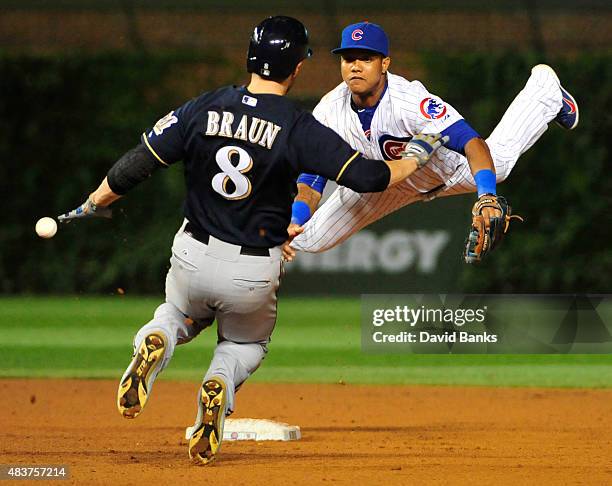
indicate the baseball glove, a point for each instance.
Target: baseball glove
{"x":487,"y":231}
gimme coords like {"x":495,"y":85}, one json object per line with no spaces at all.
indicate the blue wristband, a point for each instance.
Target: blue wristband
{"x":485,"y":182}
{"x":300,"y":212}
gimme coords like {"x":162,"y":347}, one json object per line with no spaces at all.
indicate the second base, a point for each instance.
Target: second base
{"x":256,"y":429}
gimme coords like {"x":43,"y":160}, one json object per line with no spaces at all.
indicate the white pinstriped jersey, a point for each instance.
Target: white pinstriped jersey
{"x":405,"y":109}
{"x":399,"y":114}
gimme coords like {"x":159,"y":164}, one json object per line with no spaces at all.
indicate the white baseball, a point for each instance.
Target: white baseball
{"x":46,"y":227}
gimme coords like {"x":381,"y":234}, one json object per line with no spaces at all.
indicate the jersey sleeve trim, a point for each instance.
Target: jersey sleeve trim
{"x":346,"y":164}
{"x":144,"y":137}
{"x":315,"y":182}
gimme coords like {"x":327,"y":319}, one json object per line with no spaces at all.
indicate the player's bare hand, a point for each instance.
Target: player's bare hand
{"x":86,"y":210}
{"x":292,"y":230}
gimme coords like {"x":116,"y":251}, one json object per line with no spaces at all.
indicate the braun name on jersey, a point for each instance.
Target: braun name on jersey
{"x":250,"y":129}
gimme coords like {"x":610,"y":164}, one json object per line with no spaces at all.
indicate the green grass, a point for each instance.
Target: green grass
{"x":316,"y":340}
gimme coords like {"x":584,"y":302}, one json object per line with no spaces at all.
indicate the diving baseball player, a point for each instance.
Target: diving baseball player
{"x":242,"y":148}
{"x":377,"y":113}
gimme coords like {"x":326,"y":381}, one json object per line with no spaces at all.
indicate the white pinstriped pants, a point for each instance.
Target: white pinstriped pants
{"x":526,"y":119}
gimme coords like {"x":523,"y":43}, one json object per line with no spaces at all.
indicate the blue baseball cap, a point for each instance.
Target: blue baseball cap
{"x":366,"y":36}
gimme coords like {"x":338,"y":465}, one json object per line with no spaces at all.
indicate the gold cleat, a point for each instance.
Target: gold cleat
{"x":137,"y":381}
{"x":207,"y":433}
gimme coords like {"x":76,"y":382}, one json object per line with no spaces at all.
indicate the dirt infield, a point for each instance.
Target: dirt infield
{"x":351,"y":434}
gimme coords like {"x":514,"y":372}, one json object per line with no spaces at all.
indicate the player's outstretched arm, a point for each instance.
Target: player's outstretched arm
{"x":483,"y":169}
{"x":416,"y":154}
{"x":95,"y":206}
{"x":491,"y":214}
{"x":132,"y":168}
{"x":365,"y":175}
{"x":320,"y":150}
{"x":479,"y":156}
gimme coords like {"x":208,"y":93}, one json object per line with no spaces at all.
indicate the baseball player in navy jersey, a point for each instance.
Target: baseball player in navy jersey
{"x":378,"y":112}
{"x":242,"y":148}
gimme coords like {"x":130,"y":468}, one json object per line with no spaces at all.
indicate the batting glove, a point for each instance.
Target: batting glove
{"x":86,"y":210}
{"x":423,"y":146}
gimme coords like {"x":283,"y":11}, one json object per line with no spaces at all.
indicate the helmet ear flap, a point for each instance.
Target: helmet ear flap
{"x":277,"y":45}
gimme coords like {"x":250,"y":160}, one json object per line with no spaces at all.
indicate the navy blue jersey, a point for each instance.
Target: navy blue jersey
{"x":242,"y":153}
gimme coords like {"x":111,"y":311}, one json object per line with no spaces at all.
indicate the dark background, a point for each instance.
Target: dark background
{"x":80,"y":81}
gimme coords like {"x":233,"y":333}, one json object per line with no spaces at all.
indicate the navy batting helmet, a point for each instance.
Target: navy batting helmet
{"x":277,"y":46}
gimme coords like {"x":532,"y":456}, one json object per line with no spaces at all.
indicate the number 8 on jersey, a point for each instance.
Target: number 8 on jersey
{"x":234,"y":173}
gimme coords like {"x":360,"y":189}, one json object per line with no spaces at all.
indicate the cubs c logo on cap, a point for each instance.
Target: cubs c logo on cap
{"x":357,"y":34}
{"x":433,"y":108}
{"x":365,"y":36}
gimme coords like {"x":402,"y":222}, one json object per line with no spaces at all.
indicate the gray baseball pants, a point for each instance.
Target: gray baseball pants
{"x":215,"y":281}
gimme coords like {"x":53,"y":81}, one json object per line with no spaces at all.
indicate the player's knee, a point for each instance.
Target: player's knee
{"x":242,"y":359}
{"x":502,"y":172}
{"x":166,"y":320}
{"x":505,"y":159}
